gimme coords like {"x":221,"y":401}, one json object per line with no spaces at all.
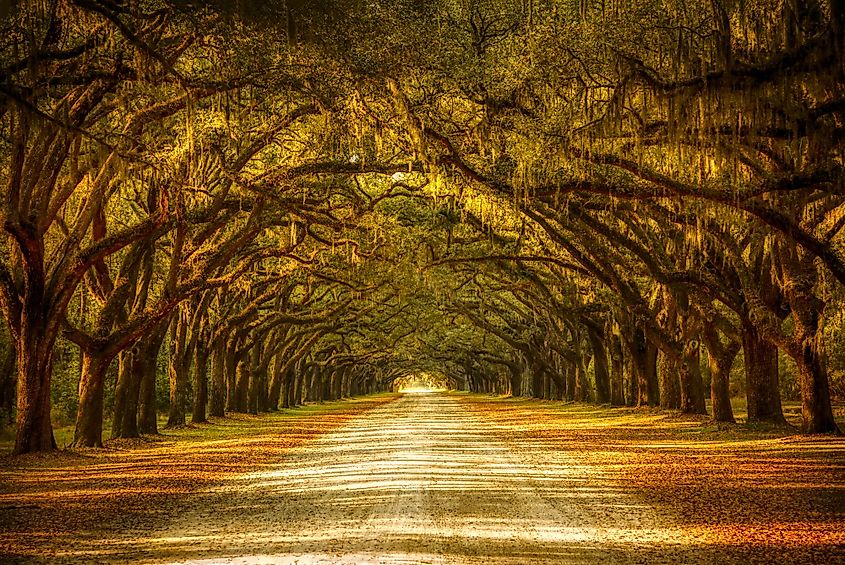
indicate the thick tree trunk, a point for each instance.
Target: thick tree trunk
{"x":334,"y":378}
{"x":644,"y":358}
{"x":816,"y":410}
{"x":800,"y":277}
{"x":7,"y":385}
{"x":34,"y":361}
{"x":761,"y":378}
{"x":289,"y":380}
{"x":125,"y":421}
{"x":670,"y":389}
{"x":570,"y":381}
{"x":274,"y":390}
{"x":515,"y":380}
{"x":200,"y":400}
{"x":255,"y":380}
{"x":692,"y":385}
{"x":121,"y":390}
{"x":89,"y":415}
{"x":241,"y":401}
{"x":314,"y":384}
{"x":217,"y":403}
{"x":296,"y":398}
{"x":232,"y":374}
{"x":536,"y":380}
{"x":148,"y":359}
{"x":581,"y":384}
{"x":178,"y":370}
{"x":720,"y":363}
{"x":600,"y":367}
{"x":346,"y":384}
{"x":617,"y":372}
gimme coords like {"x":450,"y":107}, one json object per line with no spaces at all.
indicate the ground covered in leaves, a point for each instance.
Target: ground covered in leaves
{"x":435,"y":478}
{"x":65,"y":504}
{"x":752,"y":495}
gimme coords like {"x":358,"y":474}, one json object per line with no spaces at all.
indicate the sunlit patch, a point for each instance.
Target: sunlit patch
{"x":422,"y":383}
{"x":419,"y":390}
{"x":444,"y":478}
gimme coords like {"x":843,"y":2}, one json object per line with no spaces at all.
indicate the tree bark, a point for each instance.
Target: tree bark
{"x":89,"y":415}
{"x":761,"y":377}
{"x":670,"y":389}
{"x":231,"y":372}
{"x":241,"y":401}
{"x":34,"y":361}
{"x":644,"y":358}
{"x":201,"y":354}
{"x":570,"y":381}
{"x":720,"y":359}
{"x":7,"y":385}
{"x":692,"y":386}
{"x":275,"y":389}
{"x":148,"y":359}
{"x":600,"y":367}
{"x":178,"y":369}
{"x":255,"y":380}
{"x":617,"y":368}
{"x":217,"y":404}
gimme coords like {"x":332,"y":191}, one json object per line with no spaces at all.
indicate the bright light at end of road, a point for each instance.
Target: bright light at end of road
{"x":418,"y":390}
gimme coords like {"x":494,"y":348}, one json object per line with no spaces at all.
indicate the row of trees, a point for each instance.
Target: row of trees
{"x":674,"y":183}
{"x":303,"y":201}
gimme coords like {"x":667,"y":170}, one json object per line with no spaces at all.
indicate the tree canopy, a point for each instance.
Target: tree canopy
{"x":275,"y":202}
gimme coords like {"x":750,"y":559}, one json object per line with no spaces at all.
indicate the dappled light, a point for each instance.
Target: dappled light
{"x":454,"y":478}
{"x":454,"y":281}
{"x":422,"y":383}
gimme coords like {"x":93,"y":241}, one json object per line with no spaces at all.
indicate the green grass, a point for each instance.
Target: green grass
{"x":217,"y":428}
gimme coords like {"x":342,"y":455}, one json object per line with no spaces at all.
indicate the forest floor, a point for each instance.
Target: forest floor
{"x":435,"y":478}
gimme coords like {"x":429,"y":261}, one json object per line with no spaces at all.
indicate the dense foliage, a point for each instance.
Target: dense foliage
{"x":214,"y":209}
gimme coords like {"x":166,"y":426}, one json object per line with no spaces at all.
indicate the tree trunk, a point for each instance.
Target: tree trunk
{"x":89,"y":415}
{"x":7,"y":386}
{"x":670,"y":389}
{"x":121,"y":390}
{"x":720,"y":361}
{"x":178,"y":370}
{"x":232,"y":374}
{"x":644,"y":358}
{"x":274,"y":390}
{"x":617,"y":376}
{"x":816,"y":410}
{"x":254,"y":381}
{"x":296,"y":398}
{"x":217,"y":404}
{"x":148,"y":359}
{"x":600,"y":368}
{"x":761,"y":377}
{"x":287,"y":386}
{"x":516,"y":379}
{"x":241,"y":401}
{"x":581,"y":380}
{"x":127,"y":392}
{"x":536,"y":380}
{"x":692,"y":386}
{"x":201,"y":353}
{"x":800,"y":278}
{"x":570,"y":381}
{"x":34,"y":361}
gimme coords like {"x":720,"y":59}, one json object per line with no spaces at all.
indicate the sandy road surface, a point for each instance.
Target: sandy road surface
{"x":418,"y":480}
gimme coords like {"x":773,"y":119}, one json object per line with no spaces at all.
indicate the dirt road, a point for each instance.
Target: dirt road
{"x":419,"y":480}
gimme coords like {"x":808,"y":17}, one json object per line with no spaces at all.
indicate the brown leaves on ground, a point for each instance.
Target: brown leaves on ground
{"x":761,"y":496}
{"x":50,"y":502}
